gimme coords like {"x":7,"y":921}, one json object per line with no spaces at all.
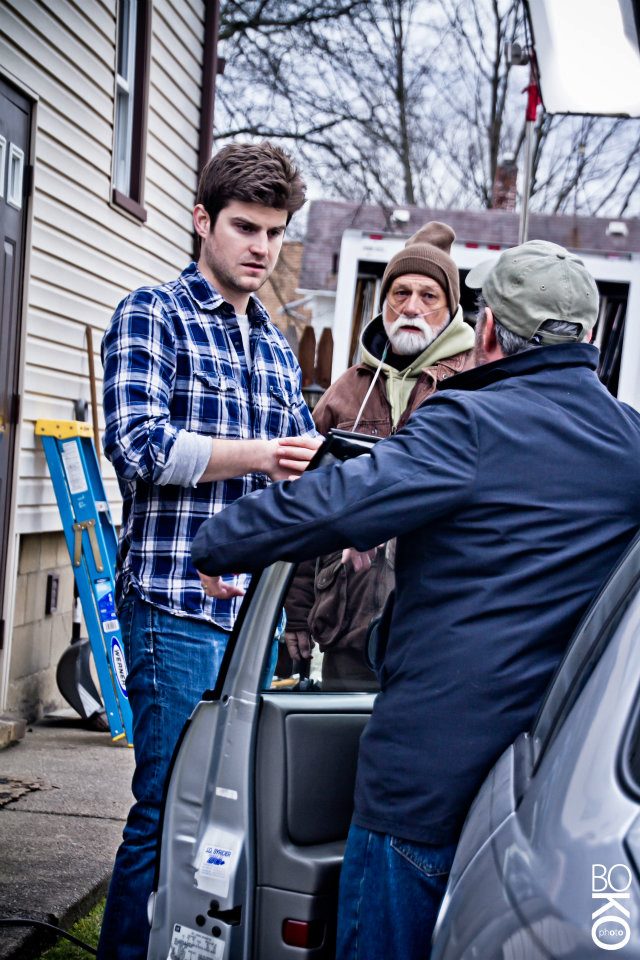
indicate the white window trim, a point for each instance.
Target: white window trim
{"x":15,"y":176}
{"x":3,"y":162}
{"x":124,"y":102}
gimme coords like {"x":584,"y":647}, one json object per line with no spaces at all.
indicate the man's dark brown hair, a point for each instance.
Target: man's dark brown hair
{"x":250,"y":173}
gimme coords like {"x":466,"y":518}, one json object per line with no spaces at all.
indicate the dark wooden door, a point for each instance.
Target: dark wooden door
{"x":15,"y":132}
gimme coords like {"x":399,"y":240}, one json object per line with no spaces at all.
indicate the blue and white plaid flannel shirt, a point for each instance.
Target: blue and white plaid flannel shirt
{"x":173,"y":362}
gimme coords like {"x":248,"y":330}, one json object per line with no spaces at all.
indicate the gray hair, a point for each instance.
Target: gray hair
{"x":511,"y":343}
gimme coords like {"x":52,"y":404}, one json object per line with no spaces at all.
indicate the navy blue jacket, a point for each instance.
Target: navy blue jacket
{"x":512,"y":491}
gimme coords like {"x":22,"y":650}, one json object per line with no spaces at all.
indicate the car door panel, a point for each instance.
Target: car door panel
{"x":305,"y":772}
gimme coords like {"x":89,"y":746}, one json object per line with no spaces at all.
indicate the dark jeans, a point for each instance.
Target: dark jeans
{"x":390,"y":894}
{"x":171,"y":661}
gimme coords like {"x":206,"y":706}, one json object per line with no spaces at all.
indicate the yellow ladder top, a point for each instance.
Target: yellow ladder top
{"x":63,"y":429}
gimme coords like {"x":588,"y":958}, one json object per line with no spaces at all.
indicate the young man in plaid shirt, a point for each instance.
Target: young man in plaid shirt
{"x":203,"y":404}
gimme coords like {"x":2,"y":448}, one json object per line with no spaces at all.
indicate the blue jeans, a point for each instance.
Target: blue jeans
{"x":171,"y":662}
{"x":390,"y":894}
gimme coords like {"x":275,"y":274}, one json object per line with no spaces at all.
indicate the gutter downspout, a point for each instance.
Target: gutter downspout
{"x":212,"y":65}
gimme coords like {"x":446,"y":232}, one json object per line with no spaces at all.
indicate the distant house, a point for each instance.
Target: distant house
{"x":104,"y":126}
{"x":329,"y":219}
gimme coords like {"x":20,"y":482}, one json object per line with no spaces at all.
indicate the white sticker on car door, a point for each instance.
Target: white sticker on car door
{"x":217,"y":861}
{"x":188,"y":944}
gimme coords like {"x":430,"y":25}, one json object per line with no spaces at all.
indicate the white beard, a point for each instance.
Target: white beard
{"x":406,"y":342}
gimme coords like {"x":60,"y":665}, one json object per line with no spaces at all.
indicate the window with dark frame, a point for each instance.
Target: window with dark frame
{"x":131,"y":105}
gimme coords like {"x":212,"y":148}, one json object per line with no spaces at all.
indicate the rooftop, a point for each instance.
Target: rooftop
{"x":328,"y":219}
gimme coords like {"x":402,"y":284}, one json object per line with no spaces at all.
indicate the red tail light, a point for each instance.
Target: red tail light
{"x":303,"y":933}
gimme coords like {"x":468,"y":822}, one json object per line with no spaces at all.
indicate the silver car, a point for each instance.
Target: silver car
{"x":547,"y":865}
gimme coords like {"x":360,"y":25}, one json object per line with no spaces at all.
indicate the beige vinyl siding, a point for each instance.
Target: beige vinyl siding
{"x":85,"y":253}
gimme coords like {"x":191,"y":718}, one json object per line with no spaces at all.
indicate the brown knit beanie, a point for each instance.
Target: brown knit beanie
{"x":427,"y":252}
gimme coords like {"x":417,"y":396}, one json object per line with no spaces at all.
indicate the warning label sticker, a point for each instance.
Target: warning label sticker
{"x":107,"y":607}
{"x":187,"y":944}
{"x":73,"y":468}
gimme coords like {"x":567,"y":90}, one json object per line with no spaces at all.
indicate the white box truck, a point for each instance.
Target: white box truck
{"x":364,"y":255}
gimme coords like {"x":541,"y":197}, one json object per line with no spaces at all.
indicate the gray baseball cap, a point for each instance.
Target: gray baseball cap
{"x":535,"y":282}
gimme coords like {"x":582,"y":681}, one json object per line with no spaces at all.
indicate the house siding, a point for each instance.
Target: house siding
{"x":85,"y":253}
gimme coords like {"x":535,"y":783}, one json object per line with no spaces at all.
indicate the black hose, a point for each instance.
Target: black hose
{"x":29,"y":922}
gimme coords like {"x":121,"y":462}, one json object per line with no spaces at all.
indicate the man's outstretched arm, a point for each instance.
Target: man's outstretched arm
{"x":421,"y":473}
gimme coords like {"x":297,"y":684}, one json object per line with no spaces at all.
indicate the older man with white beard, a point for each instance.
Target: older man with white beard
{"x":419,"y":339}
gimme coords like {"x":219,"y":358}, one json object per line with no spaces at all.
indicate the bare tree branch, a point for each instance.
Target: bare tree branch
{"x":411,"y":102}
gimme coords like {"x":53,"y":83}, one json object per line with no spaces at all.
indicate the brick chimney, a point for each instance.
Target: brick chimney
{"x":503,"y":195}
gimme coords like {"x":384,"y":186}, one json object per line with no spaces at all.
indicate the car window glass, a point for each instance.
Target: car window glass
{"x":331,"y":603}
{"x":330,"y":606}
{"x":630,"y":754}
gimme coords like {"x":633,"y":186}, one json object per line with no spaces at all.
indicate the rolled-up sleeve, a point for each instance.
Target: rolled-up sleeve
{"x":138,"y":355}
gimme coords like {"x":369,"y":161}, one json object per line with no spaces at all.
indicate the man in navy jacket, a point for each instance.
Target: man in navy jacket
{"x":513,"y":491}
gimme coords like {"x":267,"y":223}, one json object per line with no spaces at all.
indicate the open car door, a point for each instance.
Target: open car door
{"x":259,"y":799}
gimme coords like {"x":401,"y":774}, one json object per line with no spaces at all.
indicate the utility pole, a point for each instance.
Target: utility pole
{"x":519,"y":56}
{"x":533,"y":102}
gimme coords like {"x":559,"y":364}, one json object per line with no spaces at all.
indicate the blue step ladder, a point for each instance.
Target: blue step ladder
{"x":92,"y":542}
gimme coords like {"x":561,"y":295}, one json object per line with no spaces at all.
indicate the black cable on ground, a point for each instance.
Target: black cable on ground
{"x":29,"y":922}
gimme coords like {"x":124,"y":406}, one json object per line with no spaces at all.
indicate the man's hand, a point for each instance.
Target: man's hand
{"x":299,"y":644}
{"x":216,"y":587}
{"x":359,"y":561}
{"x":292,"y":456}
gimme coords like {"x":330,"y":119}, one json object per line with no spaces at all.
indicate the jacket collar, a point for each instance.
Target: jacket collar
{"x":210,"y":300}
{"x":561,"y":355}
{"x":438,"y":371}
